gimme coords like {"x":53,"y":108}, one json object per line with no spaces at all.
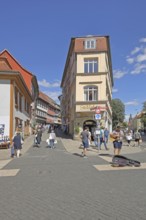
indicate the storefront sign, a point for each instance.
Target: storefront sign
{"x":86,"y":107}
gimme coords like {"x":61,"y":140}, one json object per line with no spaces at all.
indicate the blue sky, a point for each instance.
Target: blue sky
{"x":38,"y":33}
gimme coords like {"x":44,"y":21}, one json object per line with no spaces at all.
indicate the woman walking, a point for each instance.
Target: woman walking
{"x":52,"y":138}
{"x":17,"y":143}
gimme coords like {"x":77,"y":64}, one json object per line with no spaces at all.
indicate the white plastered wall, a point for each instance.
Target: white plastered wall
{"x":5,"y":105}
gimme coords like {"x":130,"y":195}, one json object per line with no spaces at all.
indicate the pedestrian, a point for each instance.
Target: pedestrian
{"x":129,"y":137}
{"x":90,"y":139}
{"x":85,"y":141}
{"x":117,"y":135}
{"x":38,"y":136}
{"x":52,"y":138}
{"x":97,"y":134}
{"x":99,"y":138}
{"x":137,"y":138}
{"x":106,"y":135}
{"x":17,"y":143}
{"x":102,"y":139}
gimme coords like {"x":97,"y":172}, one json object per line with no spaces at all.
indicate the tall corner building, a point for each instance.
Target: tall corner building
{"x":87,"y":84}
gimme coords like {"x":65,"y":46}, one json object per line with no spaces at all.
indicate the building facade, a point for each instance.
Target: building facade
{"x":87,"y":84}
{"x":136,"y":123}
{"x":47,"y":111}
{"x":18,"y":91}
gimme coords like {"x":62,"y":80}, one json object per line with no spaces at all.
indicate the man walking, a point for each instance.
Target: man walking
{"x":106,"y":135}
{"x":85,"y":141}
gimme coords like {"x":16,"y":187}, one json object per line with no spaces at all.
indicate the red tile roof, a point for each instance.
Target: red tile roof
{"x":46,"y":98}
{"x":13,"y":63}
{"x":4,"y":64}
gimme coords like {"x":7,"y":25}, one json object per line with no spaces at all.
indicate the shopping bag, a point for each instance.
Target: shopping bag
{"x":12,"y":151}
{"x":48,"y":141}
{"x":55,"y":142}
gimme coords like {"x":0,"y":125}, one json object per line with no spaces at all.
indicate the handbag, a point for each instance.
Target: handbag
{"x":140,"y":141}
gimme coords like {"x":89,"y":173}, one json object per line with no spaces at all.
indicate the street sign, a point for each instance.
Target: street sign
{"x":97,"y":116}
{"x":97,"y":111}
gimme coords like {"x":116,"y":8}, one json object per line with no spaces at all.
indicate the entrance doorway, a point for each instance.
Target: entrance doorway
{"x":91,"y":125}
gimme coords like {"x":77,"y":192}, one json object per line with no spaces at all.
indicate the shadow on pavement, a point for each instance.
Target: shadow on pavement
{"x":108,"y":155}
{"x":76,"y":154}
{"x":61,"y":134}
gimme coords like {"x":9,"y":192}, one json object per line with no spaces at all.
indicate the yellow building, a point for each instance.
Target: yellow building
{"x":87,"y":84}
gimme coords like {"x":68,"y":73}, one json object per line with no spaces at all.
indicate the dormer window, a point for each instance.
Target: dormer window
{"x":90,"y":44}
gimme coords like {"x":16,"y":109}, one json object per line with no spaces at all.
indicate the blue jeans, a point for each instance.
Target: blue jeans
{"x":104,"y":142}
{"x":97,"y":143}
{"x":52,"y":143}
{"x":106,"y":139}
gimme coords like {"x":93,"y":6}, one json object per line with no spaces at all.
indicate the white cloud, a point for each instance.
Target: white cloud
{"x":127,"y":117}
{"x":134,"y":103}
{"x":139,"y":68}
{"x":143,"y":40}
{"x":141,"y":58}
{"x":130,"y":60}
{"x":135,"y":50}
{"x":46,"y":84}
{"x":119,"y":74}
{"x":115,"y":90}
{"x":53,"y":95}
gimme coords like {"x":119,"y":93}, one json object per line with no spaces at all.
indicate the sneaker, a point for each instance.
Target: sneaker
{"x":85,"y":156}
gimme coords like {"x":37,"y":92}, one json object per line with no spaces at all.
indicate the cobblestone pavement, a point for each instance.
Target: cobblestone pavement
{"x":57,"y":184}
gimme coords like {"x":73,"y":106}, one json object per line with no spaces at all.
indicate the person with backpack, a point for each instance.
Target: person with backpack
{"x":103,"y":139}
{"x":106,"y":135}
{"x":137,"y":138}
{"x":97,"y":134}
{"x":99,"y":138}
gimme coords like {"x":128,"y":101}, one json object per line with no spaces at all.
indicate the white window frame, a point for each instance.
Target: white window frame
{"x":93,"y":90}
{"x":90,"y":44}
{"x":91,"y":63}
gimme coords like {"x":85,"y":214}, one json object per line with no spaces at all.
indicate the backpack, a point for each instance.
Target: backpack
{"x":98,"y":133}
{"x":121,"y":161}
{"x":137,"y":135}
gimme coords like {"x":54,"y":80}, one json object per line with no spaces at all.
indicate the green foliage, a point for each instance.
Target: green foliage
{"x":143,"y":119}
{"x":144,"y":106}
{"x":125,"y":124}
{"x":118,"y":112}
{"x":77,"y":129}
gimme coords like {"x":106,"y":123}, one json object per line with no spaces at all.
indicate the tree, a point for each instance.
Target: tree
{"x":143,"y":119}
{"x":118,"y":112}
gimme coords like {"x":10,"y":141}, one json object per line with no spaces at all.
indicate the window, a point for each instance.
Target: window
{"x":20,"y":102}
{"x":90,"y":44}
{"x":90,"y":65}
{"x":16,"y":97}
{"x":90,"y":93}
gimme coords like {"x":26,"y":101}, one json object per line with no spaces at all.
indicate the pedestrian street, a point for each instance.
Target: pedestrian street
{"x":56,"y":184}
